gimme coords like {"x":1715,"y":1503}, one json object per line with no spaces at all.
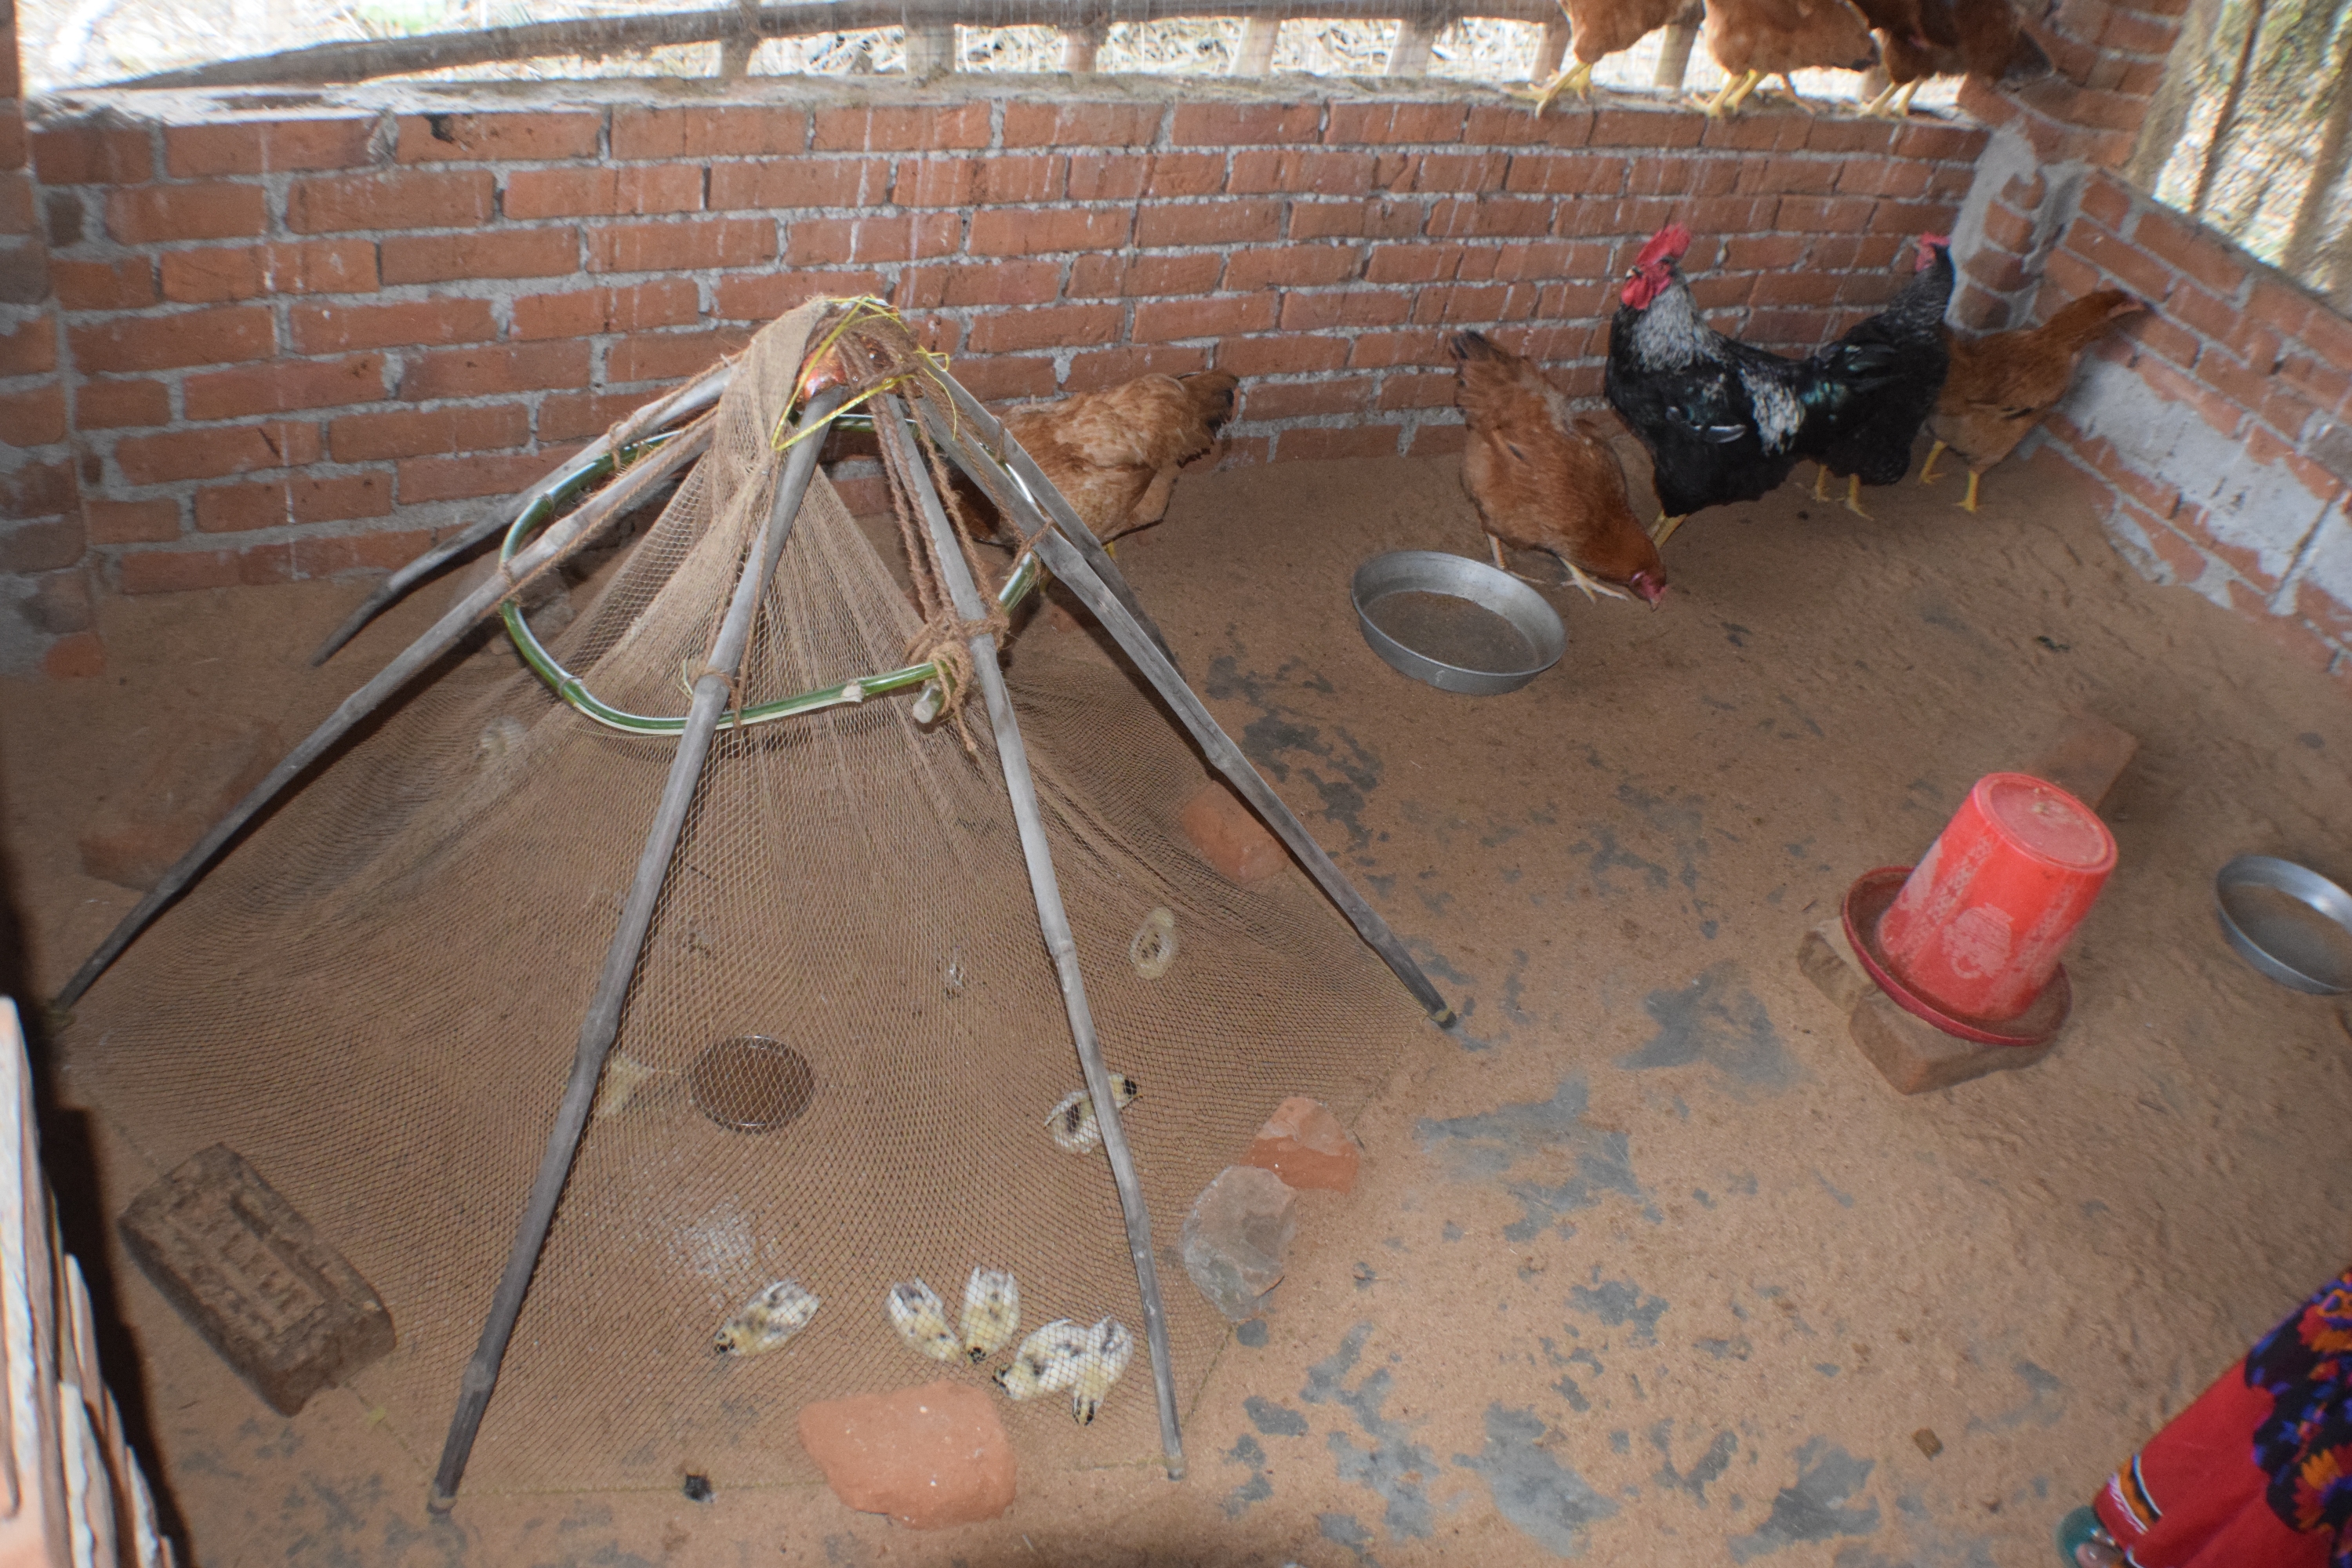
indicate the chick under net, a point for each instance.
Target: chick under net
{"x":375,"y":999}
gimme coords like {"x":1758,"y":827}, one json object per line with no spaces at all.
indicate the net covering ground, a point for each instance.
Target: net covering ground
{"x":377,"y":996}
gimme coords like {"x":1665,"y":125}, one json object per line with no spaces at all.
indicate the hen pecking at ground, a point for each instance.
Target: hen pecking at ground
{"x":2003,"y":384}
{"x":1114,"y":454}
{"x":1543,"y":483}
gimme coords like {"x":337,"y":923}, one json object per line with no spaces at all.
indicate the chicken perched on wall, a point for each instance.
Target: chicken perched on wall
{"x":1114,"y":454}
{"x":1722,"y":421}
{"x":1598,"y":28}
{"x":1874,"y":449}
{"x":1752,"y":40}
{"x":1923,"y":39}
{"x":1543,"y":483}
{"x":2002,"y":386}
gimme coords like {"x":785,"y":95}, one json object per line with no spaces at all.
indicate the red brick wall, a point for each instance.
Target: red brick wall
{"x":298,"y":346}
{"x":45,"y":614}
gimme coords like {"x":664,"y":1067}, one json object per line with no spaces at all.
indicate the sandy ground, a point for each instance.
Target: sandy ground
{"x":1648,"y":1265}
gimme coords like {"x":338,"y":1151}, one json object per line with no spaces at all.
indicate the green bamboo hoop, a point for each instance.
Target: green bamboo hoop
{"x":574,"y":691}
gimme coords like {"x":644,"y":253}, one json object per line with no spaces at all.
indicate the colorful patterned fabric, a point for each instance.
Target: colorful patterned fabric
{"x":2304,"y":1446}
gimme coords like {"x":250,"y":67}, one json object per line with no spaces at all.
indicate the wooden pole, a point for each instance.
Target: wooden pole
{"x":711,"y":690}
{"x":1550,"y":50}
{"x":931,"y":48}
{"x":1054,"y":924}
{"x":1416,"y":38}
{"x":1259,"y":36}
{"x":1081,"y":44}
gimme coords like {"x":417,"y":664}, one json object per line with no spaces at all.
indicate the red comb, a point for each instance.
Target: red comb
{"x":1667,"y":245}
{"x":1928,"y":245}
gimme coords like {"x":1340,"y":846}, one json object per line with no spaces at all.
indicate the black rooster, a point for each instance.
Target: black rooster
{"x":1724,"y":421}
{"x":1875,"y":449}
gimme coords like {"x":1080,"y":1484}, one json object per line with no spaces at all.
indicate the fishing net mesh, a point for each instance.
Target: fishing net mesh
{"x":375,"y":999}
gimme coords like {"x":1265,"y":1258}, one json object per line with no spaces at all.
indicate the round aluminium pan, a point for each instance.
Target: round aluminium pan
{"x":2297,"y":948}
{"x":1495,"y":659}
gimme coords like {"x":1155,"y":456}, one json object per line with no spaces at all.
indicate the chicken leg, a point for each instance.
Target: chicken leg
{"x":1577,"y":79}
{"x":1968,"y":501}
{"x":1664,"y":529}
{"x":1727,"y":97}
{"x":1853,"y":496}
{"x":1820,"y":481}
{"x":1928,"y":474}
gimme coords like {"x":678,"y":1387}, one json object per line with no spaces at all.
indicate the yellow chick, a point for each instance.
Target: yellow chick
{"x":992,"y":1312}
{"x":1048,"y":1361}
{"x":1072,"y":1120}
{"x":770,"y":1318}
{"x":1108,"y":1348}
{"x":921,"y":1320}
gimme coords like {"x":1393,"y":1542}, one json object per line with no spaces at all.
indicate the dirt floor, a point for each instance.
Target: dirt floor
{"x":1649,"y":1265}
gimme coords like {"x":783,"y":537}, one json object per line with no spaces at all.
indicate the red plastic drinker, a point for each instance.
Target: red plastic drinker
{"x":1980,"y":923}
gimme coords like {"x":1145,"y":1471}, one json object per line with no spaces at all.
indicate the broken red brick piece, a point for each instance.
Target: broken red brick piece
{"x":1231,"y":838}
{"x":930,"y":1456}
{"x":1304,"y":1144}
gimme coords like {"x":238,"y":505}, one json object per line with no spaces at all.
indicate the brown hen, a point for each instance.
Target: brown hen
{"x":1752,"y":40}
{"x":1598,"y":28}
{"x":1114,"y":454}
{"x":1924,"y":39}
{"x":2003,"y":384}
{"x":1542,"y":482}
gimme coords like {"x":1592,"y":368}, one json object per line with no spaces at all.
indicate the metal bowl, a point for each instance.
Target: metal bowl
{"x":1471,"y":629}
{"x":2288,"y":921}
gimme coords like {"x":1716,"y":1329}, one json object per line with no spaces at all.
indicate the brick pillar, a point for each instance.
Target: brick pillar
{"x":44,"y":609}
{"x":2049,"y":139}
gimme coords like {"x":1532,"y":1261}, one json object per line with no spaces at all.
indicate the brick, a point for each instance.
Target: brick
{"x":156,"y":215}
{"x":184,"y":571}
{"x":117,"y":405}
{"x":1508,"y":216}
{"x":2151,"y":280}
{"x":1434,"y":389}
{"x":131,"y":521}
{"x":493,"y":253}
{"x":334,"y":329}
{"x":1301,"y":399}
{"x":1473,"y":304}
{"x":1098,"y":368}
{"x":996,"y":232}
{"x":681,"y":246}
{"x":734,"y":132}
{"x":1260,"y":171}
{"x":488,"y":371}
{"x":830,"y":241}
{"x":1098,"y":276}
{"x":604,"y":191}
{"x":670,"y":356}
{"x":1412,"y":264}
{"x":459,"y":478}
{"x":664,"y":302}
{"x":128,"y":284}
{"x":409,"y":198}
{"x":1379,"y":350}
{"x":419,"y":433}
{"x":774,"y":183}
{"x":1177,"y":174}
{"x":1433,"y":441}
{"x":1997,"y":270}
{"x":33,"y":418}
{"x":1229,"y":315}
{"x":2006,"y":230}
{"x":1209,"y":223}
{"x":2179,"y":243}
{"x":1244,"y":124}
{"x":1565,"y":175}
{"x":1303,"y":264}
{"x":1470,"y":172}
{"x":1382,"y":219}
{"x":900,"y":128}
{"x":282,"y":387}
{"x":1382,"y":124}
{"x":2327,"y":334}
{"x":217,"y":273}
{"x":1645,"y":127}
{"x":51,"y":544}
{"x":1106,"y":177}
{"x":93,"y":156}
{"x":969,"y":181}
{"x":1356,"y":441}
{"x":765,"y":296}
{"x":216,"y":453}
{"x":295,"y":499}
{"x":1066,"y":326}
{"x":65,"y":214}
{"x":572,"y":416}
{"x":164,"y":342}
{"x":1288,"y":354}
{"x":956,"y":287}
{"x":1031,"y":124}
{"x":266,"y":147}
{"x":1003,"y":377}
{"x":540,"y":137}
{"x":1309,"y":312}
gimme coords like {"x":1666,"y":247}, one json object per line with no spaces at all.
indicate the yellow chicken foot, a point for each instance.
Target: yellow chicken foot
{"x":1968,"y":501}
{"x":1877,"y":106}
{"x":1903,"y":99}
{"x":1928,"y":475}
{"x":1794,"y":96}
{"x":1853,"y":496}
{"x":1740,"y":96}
{"x":1664,"y":529}
{"x":1577,"y":79}
{"x":1719,"y":106}
{"x":1820,"y":481}
{"x":1496,"y":546}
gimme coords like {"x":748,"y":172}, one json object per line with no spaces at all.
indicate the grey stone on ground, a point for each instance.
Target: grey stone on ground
{"x":1235,"y":1238}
